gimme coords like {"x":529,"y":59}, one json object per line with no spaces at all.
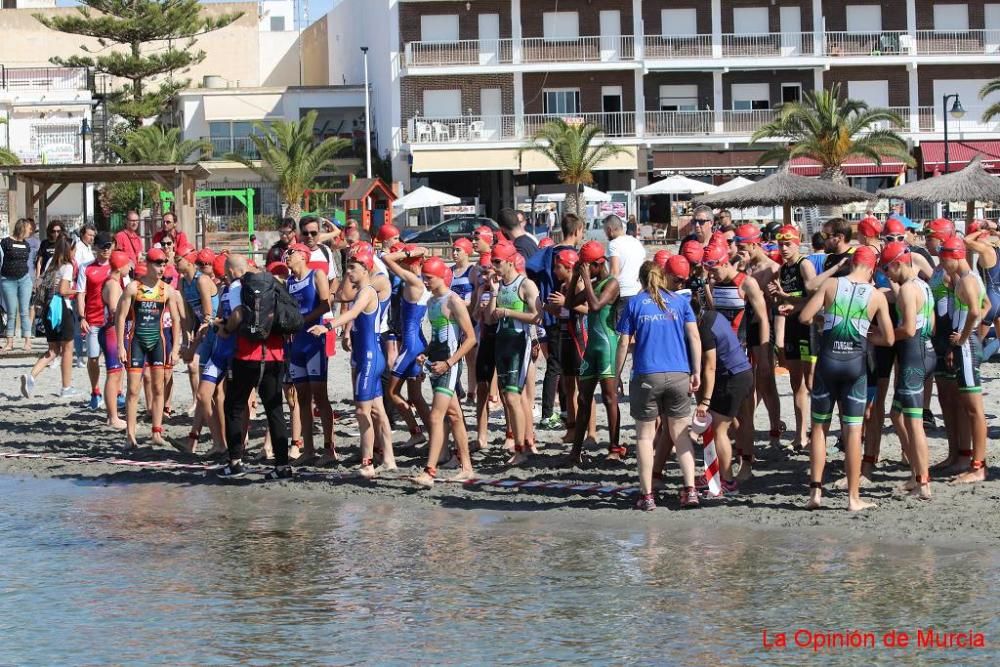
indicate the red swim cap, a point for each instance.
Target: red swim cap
{"x":953,"y":248}
{"x":567,"y":257}
{"x":156,"y":255}
{"x":363,"y":254}
{"x":661,"y":257}
{"x":119,"y":260}
{"x":484,"y":233}
{"x":716,"y":254}
{"x":897,"y":251}
{"x":748,"y":234}
{"x":486,"y":260}
{"x":894,"y":226}
{"x":279,"y":269}
{"x":940,"y":228}
{"x":679,"y":267}
{"x":219,"y":265}
{"x":206,"y":256}
{"x":504,"y":251}
{"x":870,"y":227}
{"x":592,"y":251}
{"x":436,"y":268}
{"x":692,"y":251}
{"x":864,"y":256}
{"x":387,"y":231}
{"x":546,"y":242}
{"x":465,"y":245}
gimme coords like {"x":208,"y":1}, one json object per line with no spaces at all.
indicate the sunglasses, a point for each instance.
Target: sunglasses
{"x":894,"y":237}
{"x":314,"y":233}
{"x":786,"y":237}
{"x":133,"y":220}
{"x":165,"y":244}
{"x":107,"y":246}
{"x":711,"y":263}
{"x":731,"y":241}
{"x":702,"y":221}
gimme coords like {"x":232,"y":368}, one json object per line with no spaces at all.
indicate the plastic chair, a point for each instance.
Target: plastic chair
{"x":477,"y":129}
{"x":424,"y":132}
{"x":441,"y":132}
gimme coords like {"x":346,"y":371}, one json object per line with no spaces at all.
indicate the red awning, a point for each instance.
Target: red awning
{"x":960,"y":153}
{"x":855,"y":166}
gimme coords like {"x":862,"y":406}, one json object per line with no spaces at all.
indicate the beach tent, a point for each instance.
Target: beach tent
{"x":676,"y":185}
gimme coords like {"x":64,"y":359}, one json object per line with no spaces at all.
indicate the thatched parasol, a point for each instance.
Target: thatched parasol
{"x":971,"y":184}
{"x":786,"y":189}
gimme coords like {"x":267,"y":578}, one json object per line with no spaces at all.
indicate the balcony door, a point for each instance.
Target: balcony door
{"x":611,"y":35}
{"x":491,"y":109}
{"x":991,"y":21}
{"x":489,"y":39}
{"x":791,"y":31}
{"x":864,"y":18}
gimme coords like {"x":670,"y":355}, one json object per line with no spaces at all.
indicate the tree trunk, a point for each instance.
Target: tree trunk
{"x":294,"y":211}
{"x":573,"y":204}
{"x":835,"y":174}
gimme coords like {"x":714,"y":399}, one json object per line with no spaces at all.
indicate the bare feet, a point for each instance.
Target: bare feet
{"x":815,"y":499}
{"x":463,"y":475}
{"x":451,"y":464}
{"x":532,"y":447}
{"x":615,"y":456}
{"x":367,"y":471}
{"x":186,"y":447}
{"x":294,"y":452}
{"x":385,"y":466}
{"x":863,"y":482}
{"x":307,"y":459}
{"x":27,"y":345}
{"x":118,"y":424}
{"x":921,"y":491}
{"x":909,"y":486}
{"x":952,"y":465}
{"x":518,"y":459}
{"x":858,"y":505}
{"x":971,"y":476}
{"x":424,"y":480}
{"x":328,"y":457}
{"x":157,"y":438}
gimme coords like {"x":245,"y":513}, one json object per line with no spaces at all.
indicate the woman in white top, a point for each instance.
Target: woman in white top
{"x":57,"y":286}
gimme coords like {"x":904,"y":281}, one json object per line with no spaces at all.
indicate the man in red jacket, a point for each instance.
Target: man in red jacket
{"x":90,"y":308}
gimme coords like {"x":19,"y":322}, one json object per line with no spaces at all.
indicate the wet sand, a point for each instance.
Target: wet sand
{"x":47,"y":425}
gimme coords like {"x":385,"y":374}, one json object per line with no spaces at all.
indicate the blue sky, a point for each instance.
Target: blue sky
{"x":317,"y":8}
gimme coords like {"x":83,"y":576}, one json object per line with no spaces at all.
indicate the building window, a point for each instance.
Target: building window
{"x":442,"y":103}
{"x":439,"y":27}
{"x":562,"y":102}
{"x":750,"y":20}
{"x":951,"y":18}
{"x":864,"y":18}
{"x":679,"y":22}
{"x":277,"y":24}
{"x":679,"y":98}
{"x":56,"y":143}
{"x":750,"y":96}
{"x":791,"y":92}
{"x":561,"y":26}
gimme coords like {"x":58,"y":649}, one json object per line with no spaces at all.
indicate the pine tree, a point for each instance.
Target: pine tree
{"x":133,"y":39}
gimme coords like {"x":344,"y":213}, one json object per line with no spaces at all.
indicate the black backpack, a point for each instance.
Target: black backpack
{"x":269,"y":307}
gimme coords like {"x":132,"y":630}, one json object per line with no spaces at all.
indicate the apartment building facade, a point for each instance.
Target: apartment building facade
{"x":681,"y":83}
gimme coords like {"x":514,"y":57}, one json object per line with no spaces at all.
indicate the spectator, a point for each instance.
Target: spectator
{"x":46,"y":249}
{"x":626,"y":255}
{"x":16,"y":281}
{"x":286,"y":237}
{"x":701,"y":225}
{"x":512,"y":224}
{"x":84,"y":251}
{"x":57,"y":315}
{"x":129,"y":242}
{"x":169,"y":227}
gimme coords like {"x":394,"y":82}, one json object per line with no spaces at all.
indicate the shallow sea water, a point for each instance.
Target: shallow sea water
{"x":153,"y":573}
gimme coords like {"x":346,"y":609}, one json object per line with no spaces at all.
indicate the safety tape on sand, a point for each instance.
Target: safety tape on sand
{"x":519,"y":484}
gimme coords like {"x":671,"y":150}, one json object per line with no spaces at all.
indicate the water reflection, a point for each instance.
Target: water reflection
{"x":209,"y":575}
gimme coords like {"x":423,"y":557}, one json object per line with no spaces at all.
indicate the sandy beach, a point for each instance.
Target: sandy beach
{"x":82,"y":448}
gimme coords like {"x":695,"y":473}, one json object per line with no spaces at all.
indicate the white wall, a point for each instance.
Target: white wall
{"x":276,"y":8}
{"x":279,"y":59}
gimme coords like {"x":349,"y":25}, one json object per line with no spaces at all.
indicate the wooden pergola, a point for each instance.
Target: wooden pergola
{"x":44,"y":182}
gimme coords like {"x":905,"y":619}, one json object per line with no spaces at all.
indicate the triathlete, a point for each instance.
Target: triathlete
{"x":513,"y":306}
{"x":111,"y":293}
{"x":450,"y":324}
{"x":599,"y":290}
{"x":915,"y":308}
{"x":462,"y":284}
{"x":201,"y":298}
{"x":485,"y":350}
{"x":983,"y":242}
{"x":848,"y":306}
{"x":145,"y":303}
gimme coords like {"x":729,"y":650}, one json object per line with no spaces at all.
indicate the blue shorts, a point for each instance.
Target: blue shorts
{"x":368,"y":376}
{"x":406,"y":365}
{"x":215,"y":368}
{"x":205,"y":347}
{"x":307,"y":364}
{"x":108,"y":340}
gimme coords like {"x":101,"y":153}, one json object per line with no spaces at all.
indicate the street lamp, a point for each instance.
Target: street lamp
{"x":956,"y":112}
{"x":368,"y":128}
{"x":85,"y":131}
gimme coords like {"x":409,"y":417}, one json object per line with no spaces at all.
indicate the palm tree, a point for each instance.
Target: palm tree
{"x":829,"y":130}
{"x":7,"y":156}
{"x":993,"y":110}
{"x":154,"y":144}
{"x":576,"y":150}
{"x":291,"y":158}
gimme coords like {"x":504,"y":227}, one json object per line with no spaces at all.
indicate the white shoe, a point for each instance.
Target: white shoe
{"x":69,"y":392}
{"x":27,"y":385}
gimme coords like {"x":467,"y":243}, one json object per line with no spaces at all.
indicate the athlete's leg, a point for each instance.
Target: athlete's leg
{"x":800,"y":398}
{"x":135,"y":384}
{"x":363,"y":412}
{"x":745,"y":436}
{"x":156,"y":410}
{"x":514,"y":403}
{"x":609,"y":394}
{"x":403,"y":408}
{"x":304,"y":400}
{"x":415,"y":392}
{"x":528,"y":402}
{"x":439,"y":410}
{"x":872,"y":429}
{"x":766,"y":387}
{"x":383,"y":434}
{"x":569,"y":384}
{"x":584,"y":406}
{"x":723,"y":445}
{"x":112,"y":387}
{"x":645,"y":431}
{"x":948,"y":398}
{"x":482,"y":413}
{"x":321,"y":399}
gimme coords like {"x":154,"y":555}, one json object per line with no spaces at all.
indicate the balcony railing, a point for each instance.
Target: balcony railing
{"x":223,"y":146}
{"x":876,"y":43}
{"x":614,"y":124}
{"x":767,"y":44}
{"x":667,"y":47}
{"x":43,"y":78}
{"x":746,"y":122}
{"x":679,"y":123}
{"x":957,"y":42}
{"x":474,"y":52}
{"x":484,"y":129}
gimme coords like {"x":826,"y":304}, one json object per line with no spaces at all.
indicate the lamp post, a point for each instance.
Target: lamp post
{"x":85,"y":131}
{"x":956,"y":112}
{"x":368,"y":129}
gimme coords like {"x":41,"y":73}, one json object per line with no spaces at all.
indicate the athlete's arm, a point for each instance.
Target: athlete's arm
{"x":885,"y":336}
{"x":816,"y":302}
{"x":708,"y":364}
{"x":392,"y":260}
{"x":906,"y":303}
{"x":808,"y":273}
{"x":205,"y":286}
{"x":968,"y":290}
{"x":349,"y":315}
{"x":175,"y":347}
{"x":621,"y":354}
{"x":987,"y":253}
{"x":755,"y":297}
{"x":820,"y":278}
{"x":121,"y":314}
{"x":322,"y":307}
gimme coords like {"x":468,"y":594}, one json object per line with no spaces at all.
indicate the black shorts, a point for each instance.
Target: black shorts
{"x":798,"y":340}
{"x":840,"y":381}
{"x":730,"y":391}
{"x":66,"y":329}
{"x":885,"y":359}
{"x":486,"y":365}
{"x":570,"y":351}
{"x":513,"y":355}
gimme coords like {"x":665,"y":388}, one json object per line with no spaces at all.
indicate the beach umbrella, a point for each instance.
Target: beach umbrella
{"x":734,"y":184}
{"x":423,"y":198}
{"x":786,"y":189}
{"x":971,"y":184}
{"x":589,"y":194}
{"x":676,"y":185}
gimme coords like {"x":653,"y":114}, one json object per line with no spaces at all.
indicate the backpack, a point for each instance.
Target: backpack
{"x":270,"y":308}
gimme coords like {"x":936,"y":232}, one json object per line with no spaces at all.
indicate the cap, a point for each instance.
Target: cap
{"x":448,"y":276}
{"x":504,"y":251}
{"x":103,"y":239}
{"x":519,"y":263}
{"x":435,"y":267}
{"x":300,"y":247}
{"x":277,"y":269}
{"x":156,"y":255}
{"x":692,"y":251}
{"x":484,"y":233}
{"x":119,"y":260}
{"x":788,"y":233}
{"x":747,"y":234}
{"x":362,"y":254}
{"x":386,"y":232}
{"x":465,"y":245}
{"x":592,"y":251}
{"x":870,"y":227}
{"x":206,"y":256}
{"x":717,"y":238}
{"x":679,"y":267}
{"x":775,"y":256}
{"x":953,"y":248}
{"x":191,"y":256}
{"x":546,"y":242}
{"x":140,"y":270}
{"x":716,"y":254}
{"x":940,"y":229}
{"x":567,"y":257}
{"x":486,"y":260}
{"x":661,"y":258}
{"x":897,"y":251}
{"x":864,"y":256}
{"x":894,"y":226}
{"x":184,"y":250}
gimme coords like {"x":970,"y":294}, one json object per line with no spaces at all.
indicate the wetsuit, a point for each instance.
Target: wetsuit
{"x":107,"y":338}
{"x":225,"y":346}
{"x":513,"y":344}
{"x":573,"y":329}
{"x":307,"y":361}
{"x":967,"y":358}
{"x":916,"y":359}
{"x":413,"y":341}
{"x":189,"y":291}
{"x":443,"y":343}
{"x":798,"y":338}
{"x":147,"y":346}
{"x":729,"y":303}
{"x":882,"y":358}
{"x":366,"y":354}
{"x":941,"y":292}
{"x":602,"y":341}
{"x":461,"y":284}
{"x":991,"y":278}
{"x":841,"y":376}
{"x":486,"y":362}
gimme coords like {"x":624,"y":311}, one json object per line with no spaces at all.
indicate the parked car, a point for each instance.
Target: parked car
{"x":447,"y":231}
{"x":595,"y":231}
